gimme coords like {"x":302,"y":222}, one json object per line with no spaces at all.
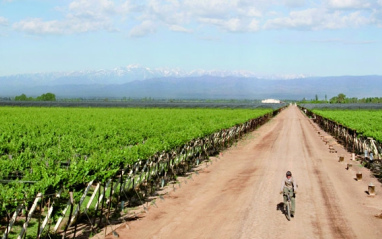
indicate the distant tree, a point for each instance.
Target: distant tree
{"x":333,"y":100}
{"x":43,"y":97}
{"x":341,"y":98}
{"x":21,"y":97}
{"x":47,"y":97}
{"x":316,"y":97}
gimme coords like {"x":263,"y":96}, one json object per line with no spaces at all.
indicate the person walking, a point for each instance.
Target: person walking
{"x":289,"y":187}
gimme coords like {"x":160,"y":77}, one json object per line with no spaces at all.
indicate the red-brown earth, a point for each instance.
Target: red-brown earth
{"x":237,"y":196}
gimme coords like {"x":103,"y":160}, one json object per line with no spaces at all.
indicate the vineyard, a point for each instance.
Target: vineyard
{"x":59,"y":163}
{"x":359,"y":130}
{"x":350,"y":106}
{"x":146,"y":104}
{"x":366,"y":122}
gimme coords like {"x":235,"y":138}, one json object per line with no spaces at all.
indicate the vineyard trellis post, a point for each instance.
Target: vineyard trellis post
{"x":47,"y":217}
{"x":39,"y":215}
{"x":29,"y":216}
{"x":78,"y":208}
{"x":96,"y":206}
{"x":12,"y":221}
{"x":71,"y":200}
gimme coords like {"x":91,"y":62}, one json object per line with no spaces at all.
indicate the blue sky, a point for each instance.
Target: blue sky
{"x":267,"y":37}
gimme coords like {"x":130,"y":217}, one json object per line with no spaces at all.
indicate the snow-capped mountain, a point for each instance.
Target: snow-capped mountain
{"x":138,"y":82}
{"x":119,"y":75}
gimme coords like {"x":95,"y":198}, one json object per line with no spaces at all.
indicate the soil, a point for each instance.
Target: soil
{"x":237,"y":196}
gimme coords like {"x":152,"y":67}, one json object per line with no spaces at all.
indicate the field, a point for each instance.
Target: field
{"x":230,"y":104}
{"x":350,"y":106}
{"x":365,"y":122}
{"x":209,"y":183}
{"x":47,"y":149}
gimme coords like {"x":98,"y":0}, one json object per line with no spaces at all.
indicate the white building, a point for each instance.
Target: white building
{"x":271,"y":101}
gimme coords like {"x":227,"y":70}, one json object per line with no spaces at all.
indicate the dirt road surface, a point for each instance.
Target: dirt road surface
{"x":238,"y":195}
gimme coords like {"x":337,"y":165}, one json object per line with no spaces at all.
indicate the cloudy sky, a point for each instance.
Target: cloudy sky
{"x":267,"y":37}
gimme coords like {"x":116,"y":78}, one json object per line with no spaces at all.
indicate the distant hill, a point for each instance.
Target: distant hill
{"x":184,"y":86}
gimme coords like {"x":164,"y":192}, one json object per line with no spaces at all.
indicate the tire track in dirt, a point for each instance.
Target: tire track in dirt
{"x":335,"y":217}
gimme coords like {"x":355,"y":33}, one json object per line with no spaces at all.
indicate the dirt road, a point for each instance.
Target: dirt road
{"x":238,"y":195}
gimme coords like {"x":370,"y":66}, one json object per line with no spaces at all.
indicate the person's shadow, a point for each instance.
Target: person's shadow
{"x":280,"y":207}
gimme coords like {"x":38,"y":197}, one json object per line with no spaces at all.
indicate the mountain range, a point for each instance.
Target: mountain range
{"x":139,"y":82}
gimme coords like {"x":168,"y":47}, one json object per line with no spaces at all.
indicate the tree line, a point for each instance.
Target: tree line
{"x":43,"y":97}
{"x":342,"y":99}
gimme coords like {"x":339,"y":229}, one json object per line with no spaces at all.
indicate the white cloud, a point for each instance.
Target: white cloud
{"x":232,"y":24}
{"x":143,"y":29}
{"x":155,"y":14}
{"x":251,"y":12}
{"x":348,"y":4}
{"x":210,"y":8}
{"x":69,"y":26}
{"x":294,"y":3}
{"x":3,"y":21}
{"x":147,"y":16}
{"x":225,"y":9}
{"x":304,"y":20}
{"x":318,"y":19}
{"x":81,"y":16}
{"x":377,"y":17}
{"x":254,"y":25}
{"x":92,"y":6}
{"x":228,"y":15}
{"x":38,"y":26}
{"x":177,"y":28}
{"x":170,"y":13}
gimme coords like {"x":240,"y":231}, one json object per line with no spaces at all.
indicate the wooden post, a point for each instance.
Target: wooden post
{"x":103,"y":194}
{"x":120,"y":186}
{"x":71,"y":200}
{"x":102,"y":205}
{"x":92,"y":197}
{"x":50,"y":210}
{"x":76,"y":212}
{"x":12,"y":221}
{"x":62,"y":216}
{"x":96,"y":206}
{"x":24,"y":229}
{"x":109,"y":201}
{"x":371,"y":189}
{"x":48,"y":219}
{"x":359,"y":176}
{"x":39,"y":216}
